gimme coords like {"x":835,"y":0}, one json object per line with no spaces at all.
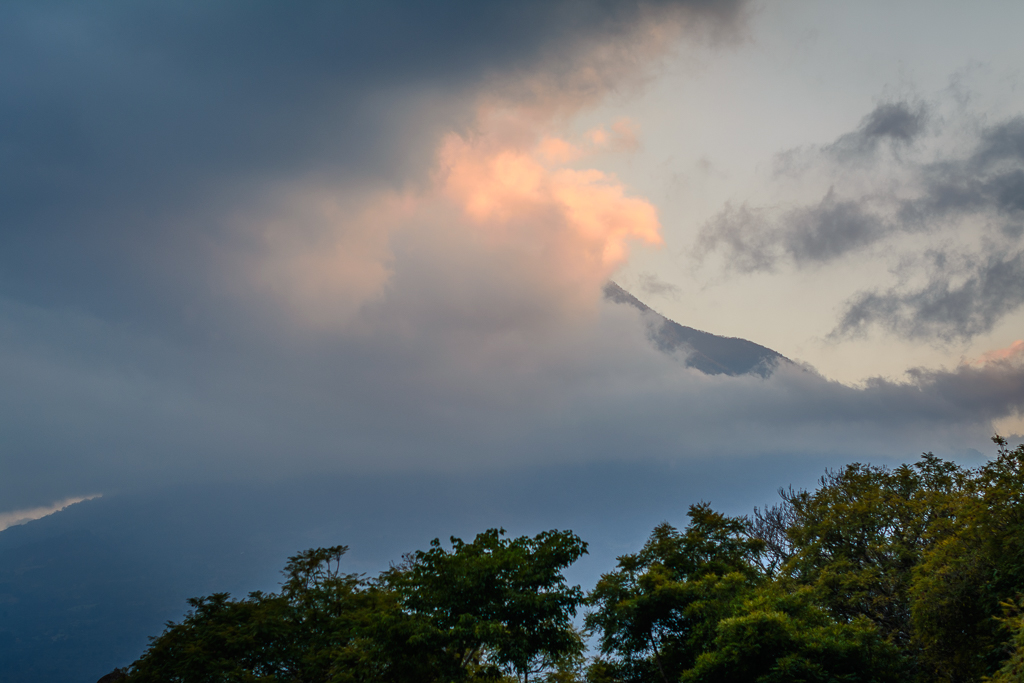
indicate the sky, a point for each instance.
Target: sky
{"x":247,"y":241}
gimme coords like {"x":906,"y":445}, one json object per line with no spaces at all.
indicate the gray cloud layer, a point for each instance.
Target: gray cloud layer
{"x":145,"y":148}
{"x":756,"y":240}
{"x":896,"y":123}
{"x":991,"y":288}
{"x":146,"y":151}
{"x":969,"y":287}
{"x":115,"y":411}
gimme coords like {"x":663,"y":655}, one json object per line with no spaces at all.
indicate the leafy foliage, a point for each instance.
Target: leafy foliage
{"x":655,"y":611}
{"x":497,"y":605}
{"x":323,"y":626}
{"x":860,"y":535}
{"x":1012,"y":669}
{"x":780,"y":636}
{"x":879,"y":574}
{"x":702,"y":606}
{"x":484,"y":609}
{"x":976,"y":569}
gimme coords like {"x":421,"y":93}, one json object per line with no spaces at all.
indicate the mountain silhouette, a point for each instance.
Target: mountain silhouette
{"x":712,"y":354}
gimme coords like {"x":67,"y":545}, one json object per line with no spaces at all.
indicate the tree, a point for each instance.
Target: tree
{"x":859,"y":537}
{"x":1012,"y":669}
{"x":780,"y":635}
{"x":658,"y":611}
{"x":496,"y":605}
{"x":967,"y":578}
{"x":930,"y":554}
{"x":486,"y":608}
{"x":909,"y":573}
{"x":324,"y":625}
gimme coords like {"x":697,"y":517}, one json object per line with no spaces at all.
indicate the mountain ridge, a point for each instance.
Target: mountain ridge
{"x":709,"y":353}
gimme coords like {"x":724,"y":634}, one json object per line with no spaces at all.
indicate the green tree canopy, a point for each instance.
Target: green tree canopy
{"x":655,"y":612}
{"x":778,"y":634}
{"x":912,"y":573}
{"x":497,"y":604}
{"x":966,"y":579}
{"x":483,"y":609}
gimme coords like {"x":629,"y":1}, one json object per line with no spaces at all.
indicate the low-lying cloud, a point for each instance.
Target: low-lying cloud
{"x":447,"y":372}
{"x":296,"y":250}
{"x":16,"y":517}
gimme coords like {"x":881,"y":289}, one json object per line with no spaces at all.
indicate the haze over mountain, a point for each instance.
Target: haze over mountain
{"x":379,"y":240}
{"x":275,"y":275}
{"x":81,"y":590}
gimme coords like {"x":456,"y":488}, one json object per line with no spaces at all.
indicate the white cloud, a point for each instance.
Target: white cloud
{"x":16,"y":517}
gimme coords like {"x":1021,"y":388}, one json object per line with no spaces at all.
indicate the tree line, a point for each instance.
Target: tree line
{"x":912,"y":573}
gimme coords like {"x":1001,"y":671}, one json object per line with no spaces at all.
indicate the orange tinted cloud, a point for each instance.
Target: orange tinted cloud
{"x":1013,"y":352}
{"x":626,"y":132}
{"x":503,"y":206}
{"x":558,"y":151}
{"x":325,"y":254}
{"x":623,"y":137}
{"x":598,"y":137}
{"x":498,"y":185}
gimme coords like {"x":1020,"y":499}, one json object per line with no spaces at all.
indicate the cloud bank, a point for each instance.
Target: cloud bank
{"x":249,"y":242}
{"x":16,"y":517}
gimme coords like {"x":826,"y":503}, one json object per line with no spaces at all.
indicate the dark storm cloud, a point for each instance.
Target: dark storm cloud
{"x":979,"y":192}
{"x":833,"y":227}
{"x":145,"y":151}
{"x":994,"y":388}
{"x":893,"y":127}
{"x":970,"y":291}
{"x":760,"y":238}
{"x":131,"y":128}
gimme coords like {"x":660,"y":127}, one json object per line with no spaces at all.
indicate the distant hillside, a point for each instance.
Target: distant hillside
{"x":709,"y":353}
{"x":82,"y":590}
